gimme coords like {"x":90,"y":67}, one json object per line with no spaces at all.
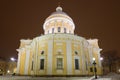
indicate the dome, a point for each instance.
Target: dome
{"x":58,"y":17}
{"x":59,"y":13}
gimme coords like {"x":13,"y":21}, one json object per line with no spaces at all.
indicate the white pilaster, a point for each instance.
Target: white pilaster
{"x":83,"y":57}
{"x":69,"y":57}
{"x":27,"y":61}
{"x":49,"y":57}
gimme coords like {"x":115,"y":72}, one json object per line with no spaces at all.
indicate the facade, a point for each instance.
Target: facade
{"x":58,"y":52}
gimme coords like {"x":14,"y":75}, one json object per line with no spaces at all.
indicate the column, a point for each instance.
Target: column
{"x":27,"y":61}
{"x":49,"y":57}
{"x":69,"y":57}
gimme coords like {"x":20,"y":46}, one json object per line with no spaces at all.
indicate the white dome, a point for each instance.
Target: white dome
{"x":57,"y":17}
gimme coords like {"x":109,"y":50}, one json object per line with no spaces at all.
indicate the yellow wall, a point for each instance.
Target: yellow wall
{"x":41,"y":44}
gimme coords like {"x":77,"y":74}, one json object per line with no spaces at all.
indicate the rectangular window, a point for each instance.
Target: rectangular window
{"x":59,"y":63}
{"x":41,"y":63}
{"x":64,"y":30}
{"x":76,"y":63}
{"x":52,"y":30}
{"x":32,"y":66}
{"x":91,"y":69}
{"x":59,"y":29}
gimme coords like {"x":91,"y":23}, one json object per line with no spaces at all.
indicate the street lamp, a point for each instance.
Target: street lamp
{"x":95,"y":69}
{"x":101,"y":58}
{"x":12,"y":59}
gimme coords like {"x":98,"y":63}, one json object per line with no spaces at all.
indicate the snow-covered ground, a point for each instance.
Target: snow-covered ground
{"x":110,"y":76}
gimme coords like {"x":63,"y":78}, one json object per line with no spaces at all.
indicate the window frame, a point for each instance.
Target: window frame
{"x":53,"y":30}
{"x":59,"y":29}
{"x":76,"y":64}
{"x":42,"y":62}
{"x":59,"y":63}
{"x":65,"y":30}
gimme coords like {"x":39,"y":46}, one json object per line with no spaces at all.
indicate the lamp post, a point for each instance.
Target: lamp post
{"x":95,"y":69}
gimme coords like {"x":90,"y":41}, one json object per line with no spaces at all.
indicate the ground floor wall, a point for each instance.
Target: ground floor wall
{"x":58,"y":54}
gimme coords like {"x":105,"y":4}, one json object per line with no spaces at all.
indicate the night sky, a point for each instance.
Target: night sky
{"x":23,"y":19}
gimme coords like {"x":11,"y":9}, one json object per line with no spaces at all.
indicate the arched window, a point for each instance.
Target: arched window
{"x":64,"y":30}
{"x":59,"y":29}
{"x":52,"y":30}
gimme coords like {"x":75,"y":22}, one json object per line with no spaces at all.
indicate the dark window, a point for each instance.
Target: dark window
{"x":41,"y":63}
{"x":91,"y":69}
{"x":64,"y":30}
{"x":59,"y":29}
{"x":52,"y":30}
{"x":32,"y":66}
{"x":59,"y":63}
{"x":42,"y":52}
{"x":76,"y":63}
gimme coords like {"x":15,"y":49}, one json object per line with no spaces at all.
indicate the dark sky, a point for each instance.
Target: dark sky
{"x":23,"y":19}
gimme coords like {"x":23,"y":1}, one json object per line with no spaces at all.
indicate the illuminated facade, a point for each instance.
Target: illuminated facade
{"x":58,"y":52}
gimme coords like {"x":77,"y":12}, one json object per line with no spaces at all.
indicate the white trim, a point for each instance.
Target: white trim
{"x":49,"y":57}
{"x":83,"y":57}
{"x":59,"y":57}
{"x":42,"y":57}
{"x":76,"y":57}
{"x":27,"y":61}
{"x":69,"y":57}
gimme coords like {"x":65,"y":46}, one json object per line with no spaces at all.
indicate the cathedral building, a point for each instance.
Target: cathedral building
{"x":58,"y":52}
